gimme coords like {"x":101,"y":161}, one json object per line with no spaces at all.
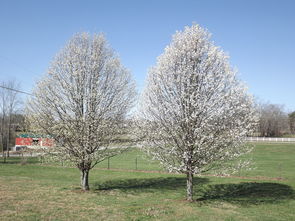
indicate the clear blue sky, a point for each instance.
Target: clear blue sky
{"x":258,"y":35}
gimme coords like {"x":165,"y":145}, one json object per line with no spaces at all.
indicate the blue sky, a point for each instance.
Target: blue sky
{"x":258,"y":35}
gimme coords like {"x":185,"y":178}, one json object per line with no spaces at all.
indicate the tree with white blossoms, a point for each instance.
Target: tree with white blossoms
{"x":83,"y":102}
{"x":194,"y":113}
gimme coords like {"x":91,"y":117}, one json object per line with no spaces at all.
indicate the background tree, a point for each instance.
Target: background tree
{"x":291,"y":117}
{"x":273,"y":120}
{"x":83,"y":102}
{"x":9,"y":107}
{"x":194,"y":112}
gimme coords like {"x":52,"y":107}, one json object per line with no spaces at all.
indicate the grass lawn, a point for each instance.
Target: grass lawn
{"x":43,"y":192}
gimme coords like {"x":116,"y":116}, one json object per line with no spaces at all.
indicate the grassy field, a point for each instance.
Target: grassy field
{"x":43,"y":192}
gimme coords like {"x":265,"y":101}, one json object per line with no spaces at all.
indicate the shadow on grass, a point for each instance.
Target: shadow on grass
{"x":247,"y":193}
{"x":243,"y":194}
{"x":147,"y":184}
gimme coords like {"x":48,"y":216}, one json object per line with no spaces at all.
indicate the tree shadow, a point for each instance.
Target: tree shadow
{"x":147,"y":184}
{"x":247,"y":193}
{"x":243,"y":194}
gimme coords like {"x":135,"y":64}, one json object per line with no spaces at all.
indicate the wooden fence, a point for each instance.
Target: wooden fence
{"x":271,"y":139}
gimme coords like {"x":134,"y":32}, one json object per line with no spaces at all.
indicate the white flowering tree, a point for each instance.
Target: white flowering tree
{"x":82,"y":102}
{"x":194,"y":113}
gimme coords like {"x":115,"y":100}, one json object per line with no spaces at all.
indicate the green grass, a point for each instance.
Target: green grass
{"x":289,"y":135}
{"x":273,"y":160}
{"x":33,"y":191}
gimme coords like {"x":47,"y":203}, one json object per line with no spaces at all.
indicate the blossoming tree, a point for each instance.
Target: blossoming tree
{"x":83,"y":101}
{"x":194,"y":113}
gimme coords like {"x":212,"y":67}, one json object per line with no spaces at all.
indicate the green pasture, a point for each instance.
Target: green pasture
{"x":128,"y":191}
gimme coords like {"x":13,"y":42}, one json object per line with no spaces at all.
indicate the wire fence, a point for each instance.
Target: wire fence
{"x":136,"y":160}
{"x":133,"y":160}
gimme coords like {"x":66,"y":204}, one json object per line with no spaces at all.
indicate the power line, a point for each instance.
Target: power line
{"x":23,"y":92}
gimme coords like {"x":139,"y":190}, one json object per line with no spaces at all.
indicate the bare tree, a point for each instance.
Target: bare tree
{"x":83,"y":102}
{"x":273,"y":120}
{"x":3,"y":120}
{"x":291,"y":117}
{"x":194,"y":112}
{"x":9,"y":105}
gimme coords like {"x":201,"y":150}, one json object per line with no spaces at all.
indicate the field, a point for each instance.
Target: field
{"x":126,"y":191}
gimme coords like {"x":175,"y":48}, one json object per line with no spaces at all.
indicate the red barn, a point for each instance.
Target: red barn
{"x":32,"y":141}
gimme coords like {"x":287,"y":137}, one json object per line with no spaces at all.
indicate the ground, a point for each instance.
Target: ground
{"x":35,"y":191}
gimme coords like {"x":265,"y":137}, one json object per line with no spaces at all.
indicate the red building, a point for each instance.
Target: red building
{"x":32,"y":141}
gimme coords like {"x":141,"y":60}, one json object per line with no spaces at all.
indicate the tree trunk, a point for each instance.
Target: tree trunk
{"x":8,"y":134}
{"x":2,"y":136}
{"x":189,"y":185}
{"x":3,"y":152}
{"x":84,"y":179}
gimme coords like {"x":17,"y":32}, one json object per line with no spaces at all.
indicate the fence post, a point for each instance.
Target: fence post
{"x":108,"y":163}
{"x":4,"y":157}
{"x":136,"y":163}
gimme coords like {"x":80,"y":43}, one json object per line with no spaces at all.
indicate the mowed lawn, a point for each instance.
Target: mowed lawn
{"x":35,"y":191}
